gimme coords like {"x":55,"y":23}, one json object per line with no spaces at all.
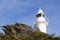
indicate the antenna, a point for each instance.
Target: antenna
{"x":39,"y":8}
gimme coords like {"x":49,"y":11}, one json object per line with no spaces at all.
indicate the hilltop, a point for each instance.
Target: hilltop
{"x":19,"y":31}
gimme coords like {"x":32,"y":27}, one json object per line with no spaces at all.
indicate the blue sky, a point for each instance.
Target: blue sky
{"x":24,"y":11}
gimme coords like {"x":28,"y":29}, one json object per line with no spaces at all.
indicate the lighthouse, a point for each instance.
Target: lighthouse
{"x":41,"y":22}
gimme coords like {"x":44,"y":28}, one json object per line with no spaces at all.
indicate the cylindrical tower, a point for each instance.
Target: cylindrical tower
{"x":41,"y":21}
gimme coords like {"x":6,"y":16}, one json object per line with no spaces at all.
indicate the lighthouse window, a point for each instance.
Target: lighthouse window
{"x":38,"y":15}
{"x":43,"y":15}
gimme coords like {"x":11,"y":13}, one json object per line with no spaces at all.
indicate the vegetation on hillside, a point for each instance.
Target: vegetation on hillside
{"x":20,"y":31}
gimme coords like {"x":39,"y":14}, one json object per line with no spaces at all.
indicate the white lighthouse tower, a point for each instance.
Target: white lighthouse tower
{"x":40,"y":22}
